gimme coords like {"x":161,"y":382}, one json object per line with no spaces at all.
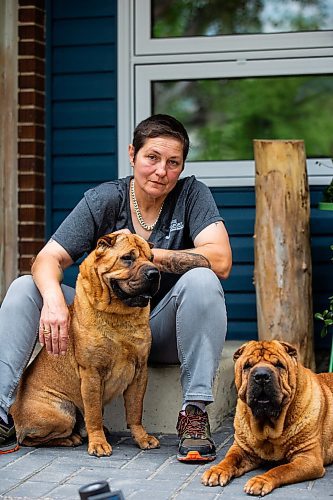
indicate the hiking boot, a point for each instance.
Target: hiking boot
{"x":196,"y":443}
{"x":8,"y":442}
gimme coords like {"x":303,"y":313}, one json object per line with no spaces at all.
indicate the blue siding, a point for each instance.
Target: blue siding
{"x":237,"y":207}
{"x":81,"y":102}
{"x":102,"y":113}
{"x":84,"y":141}
{"x":95,"y":58}
{"x":76,"y":9}
{"x":68,"y":169}
{"x":84,"y":86}
{"x":101,"y":29}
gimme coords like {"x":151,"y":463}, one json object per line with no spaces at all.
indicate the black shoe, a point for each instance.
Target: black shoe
{"x":196,"y":443}
{"x":8,"y":442}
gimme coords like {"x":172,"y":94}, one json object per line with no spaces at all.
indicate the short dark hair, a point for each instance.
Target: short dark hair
{"x":158,"y":126}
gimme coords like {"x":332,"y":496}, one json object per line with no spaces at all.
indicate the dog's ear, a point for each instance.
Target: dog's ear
{"x":239,"y":352}
{"x":105,"y":242}
{"x":290,"y":349}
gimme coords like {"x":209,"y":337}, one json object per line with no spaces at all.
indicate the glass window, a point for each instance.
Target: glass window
{"x":223,"y":116}
{"x":189,"y":18}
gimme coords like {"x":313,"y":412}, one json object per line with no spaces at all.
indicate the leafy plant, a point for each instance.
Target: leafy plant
{"x":328,"y":193}
{"x":327,"y":315}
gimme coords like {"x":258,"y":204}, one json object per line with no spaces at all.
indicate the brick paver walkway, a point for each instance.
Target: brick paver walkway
{"x":54,"y":473}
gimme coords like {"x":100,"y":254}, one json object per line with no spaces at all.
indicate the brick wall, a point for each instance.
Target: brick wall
{"x":31,"y":130}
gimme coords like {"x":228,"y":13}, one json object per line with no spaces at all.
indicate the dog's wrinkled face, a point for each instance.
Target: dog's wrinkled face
{"x":124,"y":268}
{"x":128,"y":269}
{"x":264,"y":378}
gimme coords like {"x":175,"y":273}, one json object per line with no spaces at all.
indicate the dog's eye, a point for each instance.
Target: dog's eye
{"x":127,"y":258}
{"x":280,"y":365}
{"x":247,"y":366}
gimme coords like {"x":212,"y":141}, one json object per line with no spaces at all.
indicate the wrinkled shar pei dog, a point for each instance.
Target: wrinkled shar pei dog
{"x":284,"y":414}
{"x":108,"y":347}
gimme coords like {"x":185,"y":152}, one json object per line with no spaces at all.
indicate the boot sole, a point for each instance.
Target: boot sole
{"x":195,"y":456}
{"x":9,"y":449}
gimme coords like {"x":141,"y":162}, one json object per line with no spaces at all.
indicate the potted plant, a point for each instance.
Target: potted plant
{"x":327,"y":317}
{"x":327,"y":201}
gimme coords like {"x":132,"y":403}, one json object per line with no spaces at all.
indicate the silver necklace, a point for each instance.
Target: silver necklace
{"x":138,"y":214}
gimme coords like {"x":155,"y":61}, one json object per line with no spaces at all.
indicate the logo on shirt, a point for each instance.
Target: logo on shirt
{"x":174,"y":226}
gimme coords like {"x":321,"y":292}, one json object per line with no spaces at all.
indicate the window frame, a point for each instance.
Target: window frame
{"x":145,"y":45}
{"x":142,"y":60}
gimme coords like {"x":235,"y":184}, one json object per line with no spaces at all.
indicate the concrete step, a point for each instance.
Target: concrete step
{"x":163,"y":398}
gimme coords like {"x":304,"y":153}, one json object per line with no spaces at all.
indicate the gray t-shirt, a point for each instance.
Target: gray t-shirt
{"x":187,"y":210}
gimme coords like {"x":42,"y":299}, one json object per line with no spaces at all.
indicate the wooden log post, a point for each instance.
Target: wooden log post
{"x":8,"y":144}
{"x":283,"y":271}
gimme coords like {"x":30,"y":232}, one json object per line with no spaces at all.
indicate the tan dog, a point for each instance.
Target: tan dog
{"x":109,"y":343}
{"x":284,"y":413}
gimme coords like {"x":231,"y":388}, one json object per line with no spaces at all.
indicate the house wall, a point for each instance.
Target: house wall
{"x":81,"y":101}
{"x":82,"y":150}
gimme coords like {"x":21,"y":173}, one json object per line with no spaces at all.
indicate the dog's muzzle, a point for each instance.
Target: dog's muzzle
{"x":149,"y":285}
{"x":263,"y":396}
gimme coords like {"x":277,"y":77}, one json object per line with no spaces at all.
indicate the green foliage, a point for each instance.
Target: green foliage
{"x":327,"y":315}
{"x":223,"y":116}
{"x":175,"y":18}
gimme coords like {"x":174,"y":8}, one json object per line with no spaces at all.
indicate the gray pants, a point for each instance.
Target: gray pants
{"x":188,"y":326}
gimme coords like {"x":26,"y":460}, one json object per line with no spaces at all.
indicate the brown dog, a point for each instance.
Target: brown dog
{"x":107,"y":353}
{"x":284,"y":413}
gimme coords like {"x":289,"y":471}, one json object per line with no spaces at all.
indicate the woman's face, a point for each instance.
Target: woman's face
{"x":157,"y":166}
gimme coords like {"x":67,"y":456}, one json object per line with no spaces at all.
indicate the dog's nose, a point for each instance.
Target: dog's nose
{"x":152,"y":274}
{"x":261,"y":375}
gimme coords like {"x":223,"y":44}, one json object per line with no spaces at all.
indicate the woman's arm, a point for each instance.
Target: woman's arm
{"x":211,"y":249}
{"x":47,"y":272}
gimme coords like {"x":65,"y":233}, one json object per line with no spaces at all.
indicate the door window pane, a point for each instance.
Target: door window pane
{"x":223,"y":116}
{"x":187,"y":18}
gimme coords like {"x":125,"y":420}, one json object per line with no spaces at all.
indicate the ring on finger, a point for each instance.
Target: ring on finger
{"x":46,"y":332}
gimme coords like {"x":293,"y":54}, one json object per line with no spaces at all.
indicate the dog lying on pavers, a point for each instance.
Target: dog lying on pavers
{"x":108,"y":347}
{"x":284,"y":413}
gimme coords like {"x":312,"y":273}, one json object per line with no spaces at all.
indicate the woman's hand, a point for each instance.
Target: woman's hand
{"x":122,"y":231}
{"x":54,"y":325}
{"x":47,"y":272}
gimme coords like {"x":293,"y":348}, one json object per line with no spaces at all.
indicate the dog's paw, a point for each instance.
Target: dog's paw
{"x":258,"y":485}
{"x":99,"y":448}
{"x":76,"y":439}
{"x":142,"y":439}
{"x":149,"y":442}
{"x":215,"y":476}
